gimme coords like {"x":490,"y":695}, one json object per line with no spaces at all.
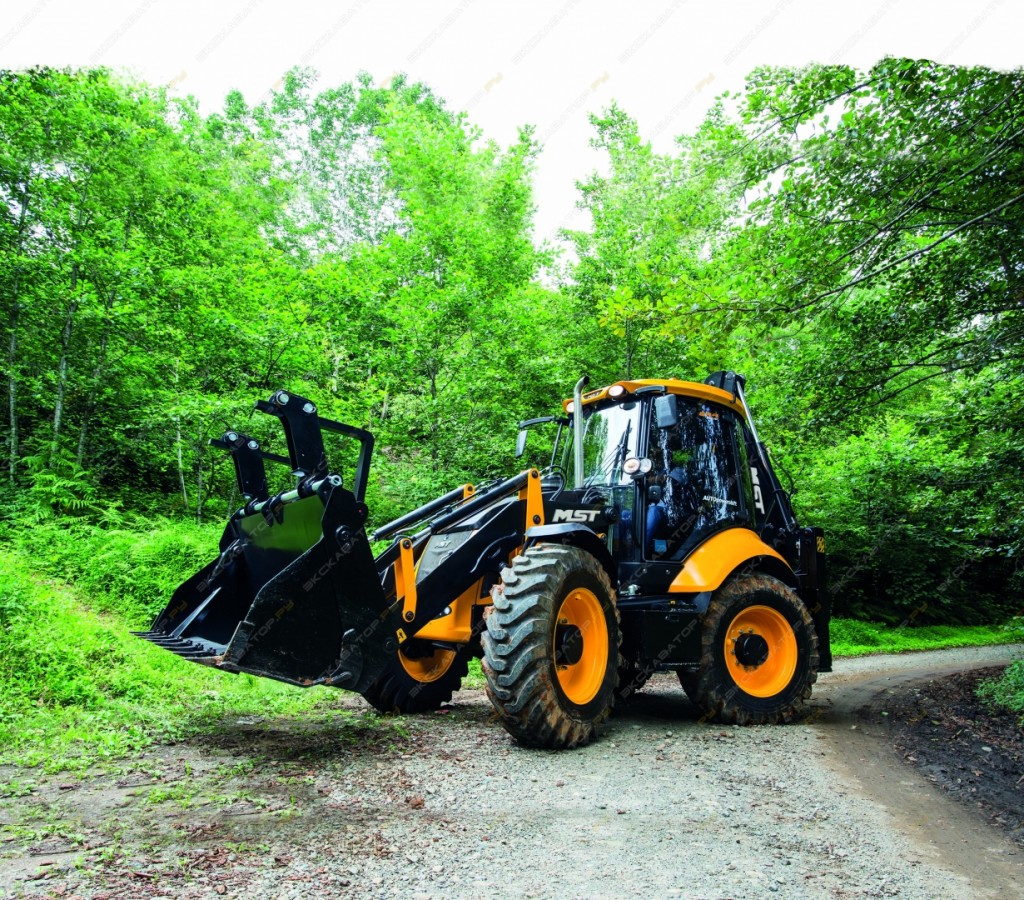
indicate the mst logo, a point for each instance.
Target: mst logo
{"x":575,"y":515}
{"x":758,"y":496}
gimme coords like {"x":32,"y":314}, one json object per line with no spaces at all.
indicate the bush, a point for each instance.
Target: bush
{"x":909,"y":536}
{"x":131,"y":572}
{"x":78,"y":687}
{"x":1007,"y":691}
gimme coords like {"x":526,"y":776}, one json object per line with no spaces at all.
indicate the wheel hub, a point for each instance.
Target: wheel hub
{"x":751,"y":650}
{"x":579,"y":645}
{"x":760,"y":650}
{"x":568,"y":645}
{"x":425,"y":663}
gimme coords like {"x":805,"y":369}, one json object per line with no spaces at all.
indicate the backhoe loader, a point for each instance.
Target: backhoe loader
{"x":657,"y":538}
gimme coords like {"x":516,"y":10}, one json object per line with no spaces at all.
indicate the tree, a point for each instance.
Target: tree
{"x":878,"y":276}
{"x":125,"y":242}
{"x":647,"y":261}
{"x":888,"y":201}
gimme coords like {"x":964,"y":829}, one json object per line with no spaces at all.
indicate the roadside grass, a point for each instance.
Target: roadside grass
{"x":475,"y":678}
{"x":124,"y":565}
{"x":853,"y":638}
{"x":79,"y":690}
{"x":1006,"y":692}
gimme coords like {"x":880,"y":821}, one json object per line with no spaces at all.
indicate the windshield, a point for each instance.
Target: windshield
{"x":609,"y":439}
{"x":701,"y":466}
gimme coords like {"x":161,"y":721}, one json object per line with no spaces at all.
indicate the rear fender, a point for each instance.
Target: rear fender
{"x":707,"y":567}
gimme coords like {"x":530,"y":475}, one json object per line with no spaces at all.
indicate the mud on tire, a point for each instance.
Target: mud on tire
{"x":759,"y":654}
{"x":551,"y":648}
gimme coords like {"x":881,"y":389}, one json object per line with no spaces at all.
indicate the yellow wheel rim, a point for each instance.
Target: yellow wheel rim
{"x":580,"y":646}
{"x":760,"y":651}
{"x":426,"y":669}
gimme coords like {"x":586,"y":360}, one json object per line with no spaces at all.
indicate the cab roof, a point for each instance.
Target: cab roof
{"x":671,"y":386}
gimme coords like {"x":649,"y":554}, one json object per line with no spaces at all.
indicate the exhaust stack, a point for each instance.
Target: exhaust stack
{"x":577,"y":429}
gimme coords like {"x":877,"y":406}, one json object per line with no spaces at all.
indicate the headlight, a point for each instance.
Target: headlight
{"x":636,"y":466}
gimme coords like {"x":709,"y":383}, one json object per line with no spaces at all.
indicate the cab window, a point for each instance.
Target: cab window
{"x":701,"y":469}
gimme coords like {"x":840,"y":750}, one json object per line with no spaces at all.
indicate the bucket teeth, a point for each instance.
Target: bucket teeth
{"x":183,"y":648}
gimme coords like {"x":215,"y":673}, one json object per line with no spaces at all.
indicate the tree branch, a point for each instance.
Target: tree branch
{"x":916,"y":253}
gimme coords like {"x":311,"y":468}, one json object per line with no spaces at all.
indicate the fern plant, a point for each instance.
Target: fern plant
{"x":57,"y":488}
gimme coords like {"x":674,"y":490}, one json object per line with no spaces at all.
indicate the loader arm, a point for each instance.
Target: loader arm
{"x":296,"y":593}
{"x":479,"y":534}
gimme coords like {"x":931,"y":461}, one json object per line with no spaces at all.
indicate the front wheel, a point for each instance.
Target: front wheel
{"x":551,"y":648}
{"x":420,"y":678}
{"x":759,"y":654}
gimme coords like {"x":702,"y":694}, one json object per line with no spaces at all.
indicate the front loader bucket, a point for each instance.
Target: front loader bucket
{"x":295,"y":594}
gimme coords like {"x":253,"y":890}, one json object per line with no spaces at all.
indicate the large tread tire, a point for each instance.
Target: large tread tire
{"x":529,"y":688}
{"x":399,"y":691}
{"x":732,"y":687}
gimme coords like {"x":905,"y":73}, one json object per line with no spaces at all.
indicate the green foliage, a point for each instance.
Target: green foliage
{"x":475,"y":678}
{"x":657,"y":222}
{"x":127,"y":566}
{"x":59,"y":487}
{"x":1007,"y":691}
{"x":78,"y":689}
{"x":851,"y":637}
{"x":910,"y":537}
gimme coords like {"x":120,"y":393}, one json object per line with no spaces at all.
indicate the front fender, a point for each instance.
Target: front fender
{"x":576,"y":535}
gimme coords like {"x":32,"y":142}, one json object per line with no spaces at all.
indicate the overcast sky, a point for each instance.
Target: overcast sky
{"x":510,"y":63}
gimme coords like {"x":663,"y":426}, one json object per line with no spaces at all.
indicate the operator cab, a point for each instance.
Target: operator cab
{"x":669,"y":464}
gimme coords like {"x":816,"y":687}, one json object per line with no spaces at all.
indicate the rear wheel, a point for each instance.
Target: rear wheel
{"x":759,"y":654}
{"x":419,"y":679}
{"x":551,"y":648}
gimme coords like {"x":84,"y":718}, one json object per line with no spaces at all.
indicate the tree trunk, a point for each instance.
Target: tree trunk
{"x":65,"y":339}
{"x":101,"y":359}
{"x":629,"y":351}
{"x":435,"y":426}
{"x":62,"y":367}
{"x":199,"y":491}
{"x":90,"y":405}
{"x":181,"y":464}
{"x":12,"y":387}
{"x":12,"y":349}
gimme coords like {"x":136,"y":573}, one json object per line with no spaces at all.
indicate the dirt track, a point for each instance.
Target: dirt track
{"x":447,"y":806}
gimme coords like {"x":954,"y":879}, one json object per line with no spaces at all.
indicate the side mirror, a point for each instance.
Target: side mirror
{"x":521,"y":443}
{"x":666,"y":408}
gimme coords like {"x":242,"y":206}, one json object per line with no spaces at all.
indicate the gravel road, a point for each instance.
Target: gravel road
{"x":660,"y":806}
